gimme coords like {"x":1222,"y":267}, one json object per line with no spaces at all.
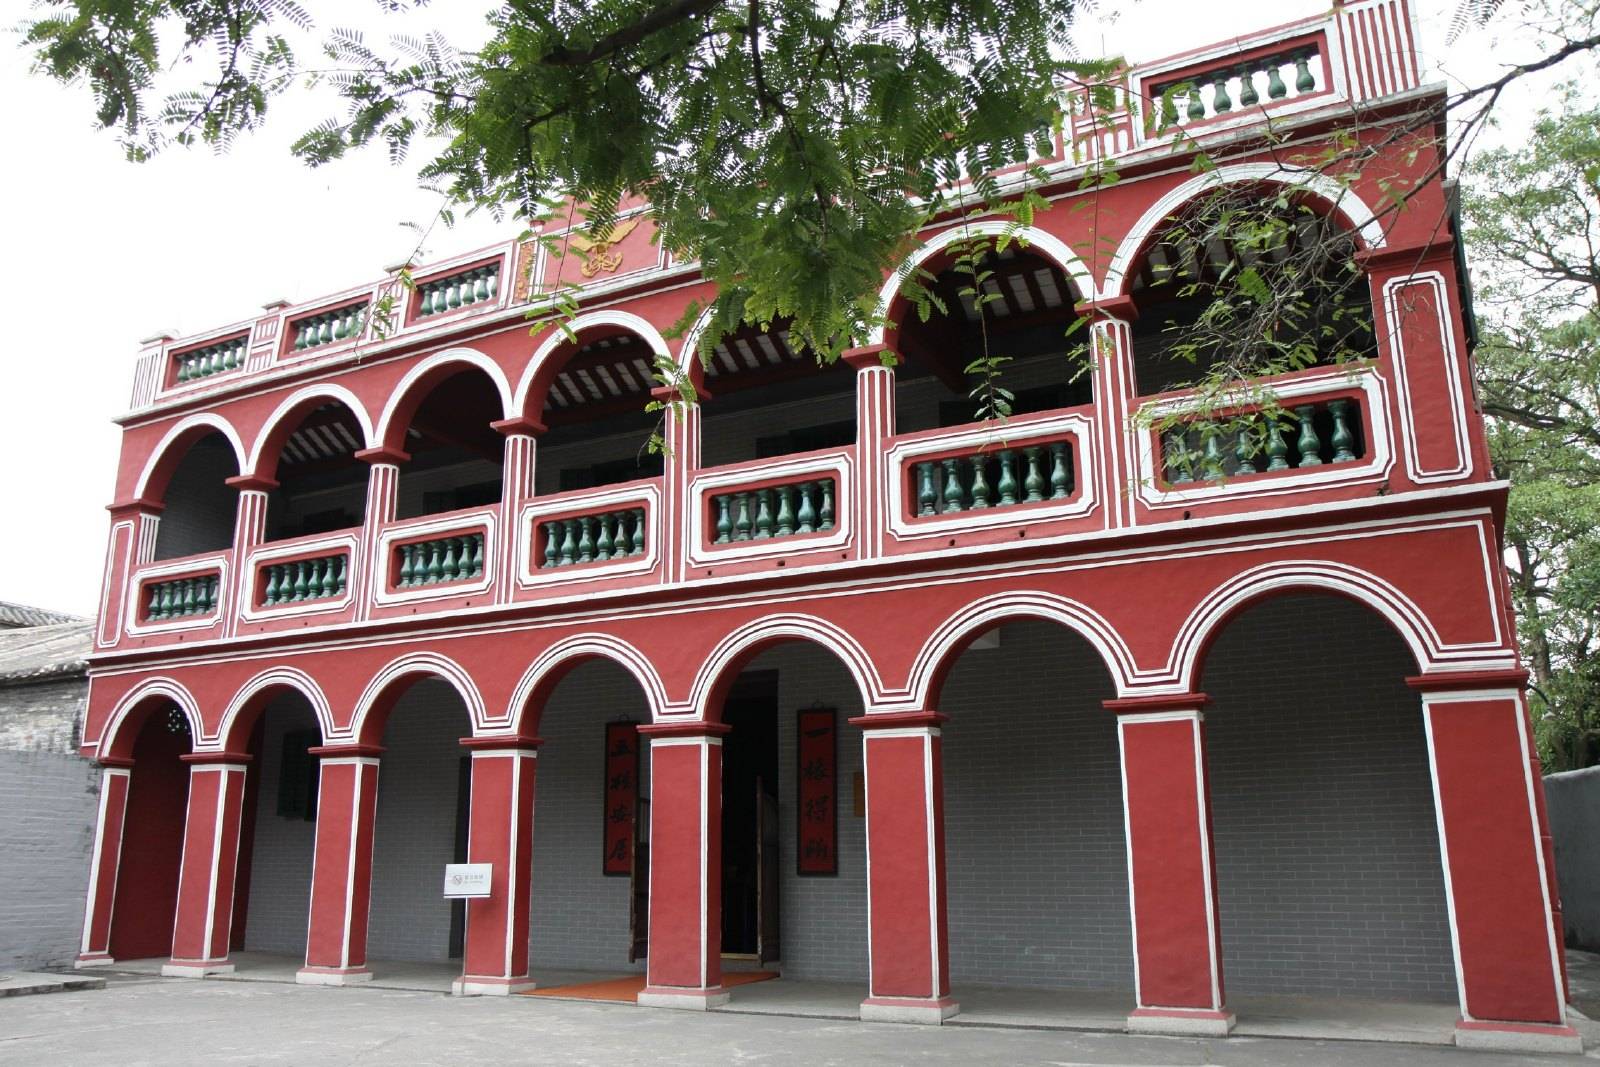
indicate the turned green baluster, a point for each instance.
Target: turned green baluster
{"x":1247,"y":87}
{"x":338,"y":328}
{"x":183,"y":369}
{"x":152,"y":610}
{"x":269,"y":595}
{"x":229,"y":358}
{"x":552,"y":545}
{"x":1244,"y":453}
{"x":454,"y":298}
{"x":586,"y":539}
{"x":329,"y":581}
{"x":763,"y":528}
{"x":1060,"y":472}
{"x":927,"y":496}
{"x":1308,"y":444}
{"x":1008,"y":479}
{"x":480,"y":292}
{"x":980,"y":483}
{"x":493,"y":284}
{"x":954,"y":497}
{"x":1197,"y":106}
{"x":297,"y":589}
{"x":603,"y":544}
{"x":341,"y":577}
{"x":169,"y":599}
{"x":826,"y":513}
{"x":785,"y":511}
{"x":1277,"y":447}
{"x":569,"y":544}
{"x":299,"y":336}
{"x":324,"y":330}
{"x":638,"y":532}
{"x":807,"y":516}
{"x":1276,"y":90}
{"x":1303,"y":80}
{"x":1344,"y":442}
{"x":1033,"y":483}
{"x":1213,"y":448}
{"x":191,"y":596}
{"x":741,"y":524}
{"x":1176,"y":459}
{"x":724,"y":520}
{"x":407,"y":564}
{"x":1221,"y":102}
{"x":431,"y":571}
{"x":477,"y":555}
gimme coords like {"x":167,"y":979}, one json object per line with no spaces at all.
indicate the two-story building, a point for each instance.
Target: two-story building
{"x":845,"y":683}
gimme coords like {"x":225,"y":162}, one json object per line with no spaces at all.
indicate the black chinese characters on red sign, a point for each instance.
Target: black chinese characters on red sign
{"x":817,"y":792}
{"x":622,"y":796}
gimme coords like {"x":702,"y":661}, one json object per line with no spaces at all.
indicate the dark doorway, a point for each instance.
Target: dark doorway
{"x":749,"y":806}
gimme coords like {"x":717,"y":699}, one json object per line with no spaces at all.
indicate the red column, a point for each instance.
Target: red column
{"x":95,"y":949}
{"x":684,"y":969}
{"x":907,"y":942}
{"x":500,"y":834}
{"x":341,"y":871}
{"x":1177,"y":947}
{"x":1507,"y":958}
{"x":204,"y":918}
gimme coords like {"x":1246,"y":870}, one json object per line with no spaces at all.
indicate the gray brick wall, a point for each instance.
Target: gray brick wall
{"x":1327,"y":848}
{"x":50,"y":797}
{"x":280,"y":869}
{"x":1036,"y":861}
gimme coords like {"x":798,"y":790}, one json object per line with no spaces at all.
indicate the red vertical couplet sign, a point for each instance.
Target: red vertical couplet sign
{"x":817,"y":792}
{"x":622,"y":796}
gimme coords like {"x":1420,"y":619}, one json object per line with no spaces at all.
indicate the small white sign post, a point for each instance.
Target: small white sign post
{"x":463,"y":880}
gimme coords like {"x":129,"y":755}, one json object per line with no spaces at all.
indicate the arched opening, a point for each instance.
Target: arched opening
{"x":456,"y":455}
{"x":770,"y":398}
{"x":1036,"y":857}
{"x":198,"y":505}
{"x":322,"y":487}
{"x":271,"y":908}
{"x":424,"y":789}
{"x":1023,"y":325}
{"x":590,"y":878}
{"x":1328,"y":870}
{"x":1240,"y":281}
{"x":599,"y":432}
{"x":145,"y":905}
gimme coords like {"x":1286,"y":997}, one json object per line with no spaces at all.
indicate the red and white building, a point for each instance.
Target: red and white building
{"x":846,"y":683}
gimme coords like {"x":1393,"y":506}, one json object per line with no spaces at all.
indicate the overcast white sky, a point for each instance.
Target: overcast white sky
{"x":98,"y":253}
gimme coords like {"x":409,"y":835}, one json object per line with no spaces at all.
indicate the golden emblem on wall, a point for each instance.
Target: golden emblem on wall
{"x":601,"y":255}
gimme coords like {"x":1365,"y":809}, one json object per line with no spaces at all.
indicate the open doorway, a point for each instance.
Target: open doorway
{"x":750,"y":861}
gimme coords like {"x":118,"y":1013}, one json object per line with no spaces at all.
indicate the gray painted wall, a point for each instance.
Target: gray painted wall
{"x":1573,"y":798}
{"x":50,"y":796}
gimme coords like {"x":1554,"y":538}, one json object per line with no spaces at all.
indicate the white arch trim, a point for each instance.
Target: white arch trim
{"x":794,"y":627}
{"x":322,"y":390}
{"x":151,"y":687}
{"x":463,"y":357}
{"x":1344,"y":201}
{"x":1046,"y":244}
{"x":585,"y":646}
{"x":215,"y":422}
{"x":1005,"y":607}
{"x":430,"y":663}
{"x":691,"y":339}
{"x":1408,"y":620}
{"x":289,"y":678}
{"x":588,"y":321}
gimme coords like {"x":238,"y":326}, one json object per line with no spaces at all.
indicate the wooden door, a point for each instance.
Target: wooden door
{"x":639,"y":884}
{"x":767,"y":874}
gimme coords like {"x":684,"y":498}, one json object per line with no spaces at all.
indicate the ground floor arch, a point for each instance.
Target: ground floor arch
{"x":144,"y":908}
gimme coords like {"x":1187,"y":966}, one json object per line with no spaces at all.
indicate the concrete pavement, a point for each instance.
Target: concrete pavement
{"x":137,"y":1021}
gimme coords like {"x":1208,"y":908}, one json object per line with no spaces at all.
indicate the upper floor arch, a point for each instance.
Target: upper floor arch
{"x":175,"y":443}
{"x":538,"y":390}
{"x":266,"y":453}
{"x":413,"y":390}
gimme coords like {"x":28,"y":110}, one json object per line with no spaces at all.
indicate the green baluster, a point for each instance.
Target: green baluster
{"x":329,"y":581}
{"x":724,"y":519}
{"x":952,"y":495}
{"x":435,"y":568}
{"x":269,"y":595}
{"x":741,"y":524}
{"x":1277,"y":447}
{"x":169,"y":599}
{"x":569,"y":544}
{"x":586,"y":540}
{"x":299,"y":336}
{"x":1213,"y":447}
{"x":1303,"y":81}
{"x":214,"y":361}
{"x":1176,"y":459}
{"x":480,"y":292}
{"x":1276,"y":90}
{"x":826,"y":514}
{"x":1308,"y":444}
{"x":340,"y":579}
{"x":1169,"y":109}
{"x":424,"y":301}
{"x":191,"y":596}
{"x":980,"y":483}
{"x":602,"y":547}
{"x":202,"y":595}
{"x":806,"y":518}
{"x":338,"y":327}
{"x":1244,"y":453}
{"x":552,"y":545}
{"x":455,"y":292}
{"x":448,"y":565}
{"x":477,"y":555}
{"x":1221,"y":102}
{"x":324,"y":330}
{"x":492,"y":285}
{"x":1060,"y":472}
{"x":763,"y":514}
{"x":183,"y":369}
{"x":1008,"y":478}
{"x":318,"y":569}
{"x":228,"y":358}
{"x":638,"y":532}
{"x":1197,"y":107}
{"x":407,"y":563}
{"x":152,"y":609}
{"x":1344,"y":442}
{"x":785,"y":511}
{"x":1033,"y":483}
{"x":298,"y":589}
{"x":1247,"y":87}
{"x":927,"y":495}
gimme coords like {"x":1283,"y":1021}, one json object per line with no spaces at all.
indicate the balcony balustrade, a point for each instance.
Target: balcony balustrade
{"x":438,"y":561}
{"x":774,"y":511}
{"x":479,"y":285}
{"x":181,"y":598}
{"x":213,"y":359}
{"x":302,"y":580}
{"x":610,"y":535}
{"x":1323,"y":432}
{"x":1259,"y":81}
{"x":1003,"y":478}
{"x":341,"y":324}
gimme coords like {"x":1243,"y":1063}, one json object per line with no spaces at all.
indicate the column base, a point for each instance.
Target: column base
{"x":1181,"y":1022}
{"x":481,"y":986}
{"x":195,"y":968}
{"x":924,"y":1010}
{"x":332,"y":975}
{"x":93,"y":959}
{"x":1518,"y":1037}
{"x":685,"y":999}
